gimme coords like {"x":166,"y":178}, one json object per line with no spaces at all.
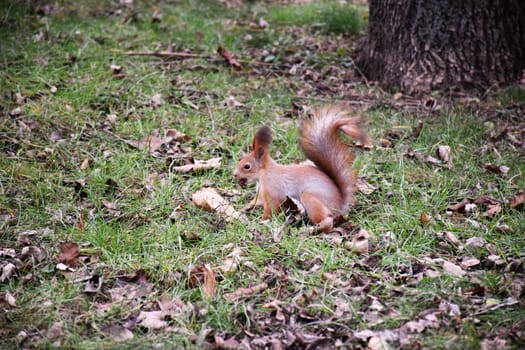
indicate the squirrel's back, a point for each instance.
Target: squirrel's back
{"x":322,"y":144}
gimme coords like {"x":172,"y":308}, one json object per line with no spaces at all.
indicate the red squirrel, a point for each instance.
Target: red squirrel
{"x":326,"y":187}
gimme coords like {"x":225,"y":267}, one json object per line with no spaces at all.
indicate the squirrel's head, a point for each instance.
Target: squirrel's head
{"x":249,"y":167}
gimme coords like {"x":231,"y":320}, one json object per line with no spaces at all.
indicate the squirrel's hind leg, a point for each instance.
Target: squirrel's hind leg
{"x":318,"y":212}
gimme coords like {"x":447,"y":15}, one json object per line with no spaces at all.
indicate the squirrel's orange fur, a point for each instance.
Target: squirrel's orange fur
{"x":324,"y":189}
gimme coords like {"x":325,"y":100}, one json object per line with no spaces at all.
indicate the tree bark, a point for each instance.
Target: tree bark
{"x":423,"y":45}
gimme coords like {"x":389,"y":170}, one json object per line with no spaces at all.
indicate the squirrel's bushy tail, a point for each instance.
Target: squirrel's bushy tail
{"x":322,"y":144}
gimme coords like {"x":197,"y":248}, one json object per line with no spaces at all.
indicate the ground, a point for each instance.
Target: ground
{"x":116,"y":115}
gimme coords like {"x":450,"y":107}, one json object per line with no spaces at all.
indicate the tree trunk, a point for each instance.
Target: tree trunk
{"x":423,"y":45}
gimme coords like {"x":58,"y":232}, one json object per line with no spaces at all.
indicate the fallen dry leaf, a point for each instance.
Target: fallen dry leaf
{"x":495,"y":260}
{"x":176,"y":135}
{"x":451,"y":237}
{"x":11,"y":300}
{"x":469,"y":261}
{"x":275,"y":304}
{"x":229,"y":57}
{"x":63,"y":267}
{"x":213,"y":163}
{"x":496,"y":343}
{"x":94,"y":284}
{"x":424,"y":218}
{"x":518,"y":199}
{"x":150,"y":143}
{"x":20,"y":99}
{"x":492,"y":210}
{"x":209,"y":281}
{"x":7,"y":271}
{"x":432,"y":160}
{"x":501,"y":170}
{"x":364,"y":187}
{"x":69,"y":253}
{"x":203,"y":275}
{"x":475,"y":242}
{"x":245,"y":292}
{"x":32,"y":252}
{"x":453,"y":269}
{"x":443,"y":153}
{"x":16,"y":112}
{"x":156,"y":100}
{"x":208,"y":199}
{"x":156,"y":15}
{"x":119,"y":333}
{"x":359,"y":243}
{"x":85,"y":164}
{"x":449,"y":309}
{"x":115,"y":69}
{"x":152,"y":319}
{"x":232,"y":260}
{"x":230,"y":101}
{"x":459,"y":207}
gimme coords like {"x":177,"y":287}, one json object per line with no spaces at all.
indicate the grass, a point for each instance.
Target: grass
{"x":333,"y":18}
{"x":47,"y":195}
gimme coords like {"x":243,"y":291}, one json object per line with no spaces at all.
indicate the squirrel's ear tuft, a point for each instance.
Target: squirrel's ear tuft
{"x":263,"y":136}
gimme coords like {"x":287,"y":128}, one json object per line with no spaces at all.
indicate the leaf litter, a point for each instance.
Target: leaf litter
{"x":283,"y":309}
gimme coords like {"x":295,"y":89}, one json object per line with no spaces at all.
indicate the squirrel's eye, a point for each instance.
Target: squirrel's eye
{"x":247,"y":166}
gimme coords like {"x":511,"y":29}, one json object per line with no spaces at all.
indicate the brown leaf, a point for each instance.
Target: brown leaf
{"x":69,"y":253}
{"x":115,"y":69}
{"x":229,"y":57}
{"x":7,"y":271}
{"x":443,"y":153}
{"x":495,"y":260}
{"x":496,"y":343}
{"x":156,"y":16}
{"x":458,"y":206}
{"x":156,"y":100}
{"x":279,"y":315}
{"x":11,"y":300}
{"x":230,"y":101}
{"x":139,"y":277}
{"x":94,"y":284}
{"x":453,"y":269}
{"x":152,"y":319}
{"x":16,"y":112}
{"x":33,"y":252}
{"x":518,"y":199}
{"x":203,"y":275}
{"x":209,"y":281}
{"x":501,"y":170}
{"x":150,"y":143}
{"x":469,"y":261}
{"x":451,"y":237}
{"x":176,"y":135}
{"x":492,"y":209}
{"x":85,"y":164}
{"x":364,"y":187}
{"x":359,"y":243}
{"x":56,"y":136}
{"x":245,"y":292}
{"x":449,"y":309}
{"x":20,"y":99}
{"x":119,"y":333}
{"x":432,"y":160}
{"x":424,"y":218}
{"x":232,"y":261}
{"x":475,"y":242}
{"x":208,"y":199}
{"x":385,"y":143}
{"x":213,"y":163}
